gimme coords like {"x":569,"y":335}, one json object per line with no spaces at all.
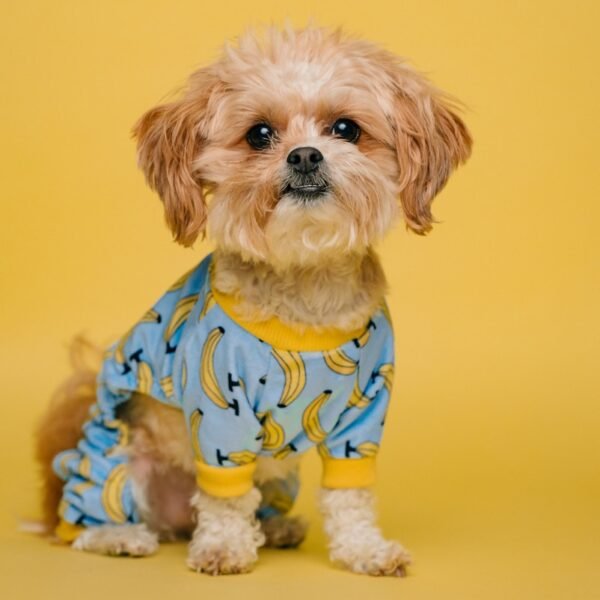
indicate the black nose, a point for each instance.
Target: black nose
{"x":304,"y":160}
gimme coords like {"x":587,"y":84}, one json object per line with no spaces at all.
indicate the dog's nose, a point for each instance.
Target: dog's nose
{"x":305,"y":159}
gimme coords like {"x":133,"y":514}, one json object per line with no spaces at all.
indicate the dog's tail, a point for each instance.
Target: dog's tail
{"x":60,"y":427}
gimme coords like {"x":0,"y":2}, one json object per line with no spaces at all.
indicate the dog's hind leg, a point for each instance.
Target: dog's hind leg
{"x":118,"y":540}
{"x":60,"y":426}
{"x":282,"y":531}
{"x":278,"y":482}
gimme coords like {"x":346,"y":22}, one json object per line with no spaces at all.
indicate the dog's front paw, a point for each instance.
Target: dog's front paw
{"x":227,"y":535}
{"x":381,"y":557}
{"x":221,"y":558}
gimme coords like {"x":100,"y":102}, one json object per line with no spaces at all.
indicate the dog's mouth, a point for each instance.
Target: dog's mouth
{"x":305,"y":191}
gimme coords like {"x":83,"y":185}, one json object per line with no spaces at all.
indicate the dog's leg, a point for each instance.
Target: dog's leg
{"x":282,"y":531}
{"x":118,"y":540}
{"x":227,"y":534}
{"x":355,"y":541}
{"x":278,"y":483}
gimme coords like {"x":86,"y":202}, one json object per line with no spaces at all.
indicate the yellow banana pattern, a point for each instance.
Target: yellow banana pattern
{"x":208,"y":377}
{"x":358,"y":399}
{"x":339,"y":362}
{"x":195,"y":421}
{"x":81,"y":488}
{"x":183,"y":375}
{"x":166,"y":385}
{"x":323,"y":450}
{"x":294,"y":371}
{"x":85,"y":467}
{"x":243,"y":457}
{"x":144,"y":378}
{"x":182,"y":311}
{"x":112,"y":493}
{"x":310,"y":418}
{"x":151,"y":316}
{"x":367,"y":449}
{"x":61,"y":463}
{"x":209,"y":302}
{"x":386,"y":370}
{"x":123,"y":436}
{"x":285,"y":451}
{"x":273,"y":434}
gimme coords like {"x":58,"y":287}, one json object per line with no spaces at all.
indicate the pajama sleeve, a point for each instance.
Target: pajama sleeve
{"x":224,"y":430}
{"x":349,"y":452}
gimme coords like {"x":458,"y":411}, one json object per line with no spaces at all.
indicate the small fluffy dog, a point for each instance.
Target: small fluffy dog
{"x":311,"y":145}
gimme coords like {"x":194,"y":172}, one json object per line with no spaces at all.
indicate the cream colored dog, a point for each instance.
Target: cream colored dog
{"x":311,"y":146}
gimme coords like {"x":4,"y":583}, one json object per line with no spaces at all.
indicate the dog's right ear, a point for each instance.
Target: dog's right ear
{"x":169,"y":140}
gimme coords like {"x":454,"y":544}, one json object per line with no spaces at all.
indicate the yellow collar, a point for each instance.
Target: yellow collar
{"x":280,"y":335}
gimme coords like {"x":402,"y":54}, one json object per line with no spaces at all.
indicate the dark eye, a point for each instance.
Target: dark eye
{"x":346,"y":129}
{"x":260,"y":136}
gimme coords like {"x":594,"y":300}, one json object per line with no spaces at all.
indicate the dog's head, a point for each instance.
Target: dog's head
{"x":303,"y":141}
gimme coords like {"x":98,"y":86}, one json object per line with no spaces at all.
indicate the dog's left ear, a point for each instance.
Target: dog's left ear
{"x":431,"y":141}
{"x":169,"y":140}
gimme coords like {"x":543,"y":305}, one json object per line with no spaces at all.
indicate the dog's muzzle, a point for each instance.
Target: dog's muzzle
{"x":306,"y":181}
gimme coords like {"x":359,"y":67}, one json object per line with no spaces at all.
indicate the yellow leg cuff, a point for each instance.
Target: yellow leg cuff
{"x":348,"y":472}
{"x":225,"y":482}
{"x":68,"y":532}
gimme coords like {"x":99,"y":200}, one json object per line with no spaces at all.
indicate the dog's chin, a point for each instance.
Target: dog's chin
{"x":310,"y":229}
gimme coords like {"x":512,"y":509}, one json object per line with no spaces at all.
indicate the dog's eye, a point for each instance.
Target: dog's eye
{"x":260,"y":136}
{"x":346,"y":129}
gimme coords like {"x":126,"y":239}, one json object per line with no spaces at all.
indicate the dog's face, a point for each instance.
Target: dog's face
{"x":304,"y":143}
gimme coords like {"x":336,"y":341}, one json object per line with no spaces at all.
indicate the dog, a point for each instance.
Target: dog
{"x":310,"y":144}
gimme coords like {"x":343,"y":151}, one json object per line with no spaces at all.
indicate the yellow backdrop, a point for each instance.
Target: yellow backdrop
{"x":490,"y":468}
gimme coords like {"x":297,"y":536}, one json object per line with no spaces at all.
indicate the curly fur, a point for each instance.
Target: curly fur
{"x":354,"y":285}
{"x":355,"y":542}
{"x":227,"y":535}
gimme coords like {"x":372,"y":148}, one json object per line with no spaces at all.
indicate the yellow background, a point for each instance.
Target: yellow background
{"x":490,"y":469}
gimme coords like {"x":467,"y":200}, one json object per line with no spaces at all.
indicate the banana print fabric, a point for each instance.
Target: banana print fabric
{"x":242,"y":394}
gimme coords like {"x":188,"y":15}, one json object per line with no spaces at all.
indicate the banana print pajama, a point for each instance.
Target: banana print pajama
{"x":245,"y":388}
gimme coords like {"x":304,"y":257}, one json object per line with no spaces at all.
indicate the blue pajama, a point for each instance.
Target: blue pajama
{"x":245,"y":389}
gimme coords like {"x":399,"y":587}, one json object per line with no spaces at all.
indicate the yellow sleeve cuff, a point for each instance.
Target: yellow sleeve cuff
{"x":348,"y":472}
{"x":225,"y":482}
{"x":68,"y":532}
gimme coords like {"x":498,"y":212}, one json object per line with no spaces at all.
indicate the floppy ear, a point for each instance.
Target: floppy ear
{"x":431,"y":141}
{"x":169,"y":140}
